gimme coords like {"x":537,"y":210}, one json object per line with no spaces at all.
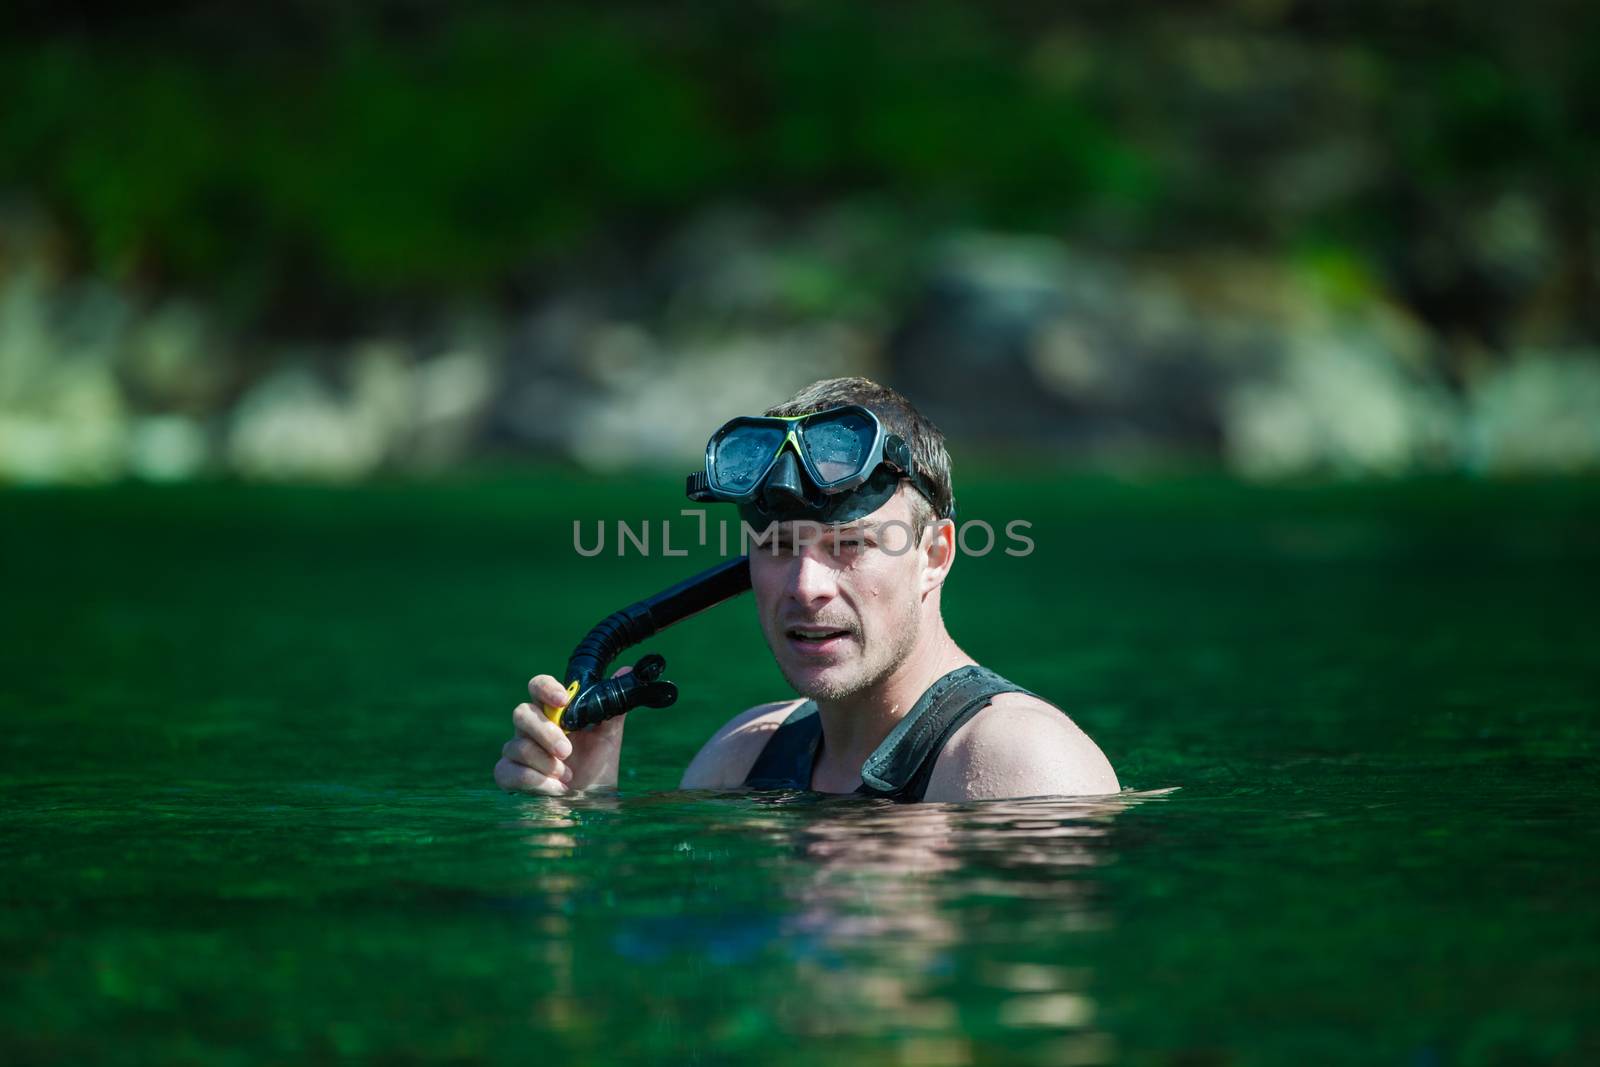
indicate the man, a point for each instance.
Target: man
{"x":852,"y":484}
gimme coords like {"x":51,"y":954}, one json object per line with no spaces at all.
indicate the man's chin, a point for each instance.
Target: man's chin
{"x":819,"y":682}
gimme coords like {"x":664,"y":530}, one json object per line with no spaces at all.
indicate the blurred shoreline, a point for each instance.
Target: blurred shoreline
{"x":1263,"y":368}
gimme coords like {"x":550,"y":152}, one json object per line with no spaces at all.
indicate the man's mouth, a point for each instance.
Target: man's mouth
{"x":816,"y":639}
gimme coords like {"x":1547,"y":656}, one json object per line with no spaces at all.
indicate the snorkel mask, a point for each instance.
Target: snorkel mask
{"x":832,"y":466}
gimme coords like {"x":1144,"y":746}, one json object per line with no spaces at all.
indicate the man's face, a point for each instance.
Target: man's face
{"x":840,"y":605}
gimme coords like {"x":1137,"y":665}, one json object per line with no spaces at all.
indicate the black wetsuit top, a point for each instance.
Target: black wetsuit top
{"x":903,"y":764}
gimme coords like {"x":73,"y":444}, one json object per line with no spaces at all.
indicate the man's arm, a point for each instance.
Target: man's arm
{"x":1020,"y":746}
{"x":725,"y":761}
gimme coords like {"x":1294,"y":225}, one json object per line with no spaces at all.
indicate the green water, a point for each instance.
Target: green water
{"x":249,"y":818}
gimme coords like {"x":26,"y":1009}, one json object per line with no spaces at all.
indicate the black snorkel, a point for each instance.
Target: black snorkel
{"x":592,"y":698}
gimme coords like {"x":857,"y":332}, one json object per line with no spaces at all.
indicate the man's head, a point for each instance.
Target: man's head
{"x":843,"y":605}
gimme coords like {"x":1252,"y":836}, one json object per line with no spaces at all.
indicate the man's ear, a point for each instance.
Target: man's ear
{"x":938,"y":553}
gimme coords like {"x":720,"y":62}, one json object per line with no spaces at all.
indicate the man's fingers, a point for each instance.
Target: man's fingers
{"x":522,"y":751}
{"x":515,"y":778}
{"x":531,"y":723}
{"x":620,"y":671}
{"x":544,"y":689}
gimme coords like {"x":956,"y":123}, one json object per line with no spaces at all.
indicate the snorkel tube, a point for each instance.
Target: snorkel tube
{"x":592,"y":698}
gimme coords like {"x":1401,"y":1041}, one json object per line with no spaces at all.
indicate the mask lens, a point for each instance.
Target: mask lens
{"x":838,"y":446}
{"x":742,"y":456}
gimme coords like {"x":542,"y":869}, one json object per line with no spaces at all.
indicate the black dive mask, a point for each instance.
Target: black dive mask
{"x":831,"y":467}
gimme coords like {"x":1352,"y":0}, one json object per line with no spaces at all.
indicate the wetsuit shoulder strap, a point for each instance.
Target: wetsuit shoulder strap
{"x":786,"y":761}
{"x":903,"y":764}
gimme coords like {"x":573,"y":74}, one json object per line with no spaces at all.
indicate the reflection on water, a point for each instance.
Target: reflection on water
{"x":854,"y":920}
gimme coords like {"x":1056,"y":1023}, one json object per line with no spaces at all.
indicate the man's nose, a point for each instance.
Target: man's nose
{"x":811,"y":580}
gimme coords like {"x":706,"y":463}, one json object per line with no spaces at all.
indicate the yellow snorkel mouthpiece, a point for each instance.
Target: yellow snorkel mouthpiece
{"x":554,"y":713}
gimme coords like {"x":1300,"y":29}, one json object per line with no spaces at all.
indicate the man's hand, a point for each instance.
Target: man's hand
{"x":542,"y":759}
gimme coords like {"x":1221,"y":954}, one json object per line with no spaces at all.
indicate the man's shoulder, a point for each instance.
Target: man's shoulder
{"x":725,"y":760}
{"x":1020,"y":746}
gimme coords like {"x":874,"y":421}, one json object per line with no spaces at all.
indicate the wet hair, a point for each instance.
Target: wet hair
{"x":899,"y":416}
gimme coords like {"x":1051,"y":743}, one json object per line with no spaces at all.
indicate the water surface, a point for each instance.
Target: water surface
{"x":249,"y":816}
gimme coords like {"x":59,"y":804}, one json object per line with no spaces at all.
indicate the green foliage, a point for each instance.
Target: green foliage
{"x":431,"y":160}
{"x":393,"y":146}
